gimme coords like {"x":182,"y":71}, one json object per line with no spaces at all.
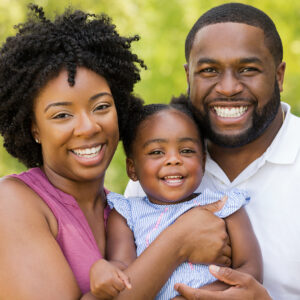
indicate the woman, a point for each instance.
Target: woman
{"x":65,"y":89}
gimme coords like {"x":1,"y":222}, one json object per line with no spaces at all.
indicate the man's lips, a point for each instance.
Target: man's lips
{"x":230,"y":112}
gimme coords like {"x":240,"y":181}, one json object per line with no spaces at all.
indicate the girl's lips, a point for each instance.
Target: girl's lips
{"x":173,"y":180}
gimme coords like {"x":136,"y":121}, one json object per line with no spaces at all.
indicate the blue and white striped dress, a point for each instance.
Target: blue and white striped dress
{"x":147,"y":220}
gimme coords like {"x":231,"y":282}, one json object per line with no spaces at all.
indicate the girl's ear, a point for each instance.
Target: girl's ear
{"x":131,"y":169}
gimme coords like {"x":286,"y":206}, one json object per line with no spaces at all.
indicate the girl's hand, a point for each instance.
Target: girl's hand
{"x":107,"y":280}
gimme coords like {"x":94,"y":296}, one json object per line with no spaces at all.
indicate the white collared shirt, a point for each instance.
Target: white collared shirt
{"x":273,"y":183}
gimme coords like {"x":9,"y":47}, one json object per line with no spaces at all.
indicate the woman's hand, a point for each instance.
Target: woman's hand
{"x":204,"y":236}
{"x":243,"y":286}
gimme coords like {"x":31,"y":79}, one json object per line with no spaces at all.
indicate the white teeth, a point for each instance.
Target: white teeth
{"x":232,"y":112}
{"x":173,"y":177}
{"x":88,"y":152}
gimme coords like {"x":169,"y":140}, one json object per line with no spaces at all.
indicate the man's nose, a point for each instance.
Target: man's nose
{"x":229,"y":84}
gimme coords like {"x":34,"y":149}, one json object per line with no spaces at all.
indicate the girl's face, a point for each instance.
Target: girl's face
{"x":77,"y":126}
{"x":168,"y":158}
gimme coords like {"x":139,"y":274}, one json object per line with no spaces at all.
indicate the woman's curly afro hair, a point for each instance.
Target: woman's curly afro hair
{"x":40,"y":50}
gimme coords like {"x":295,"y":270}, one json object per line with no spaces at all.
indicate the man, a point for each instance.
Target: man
{"x":235,"y":75}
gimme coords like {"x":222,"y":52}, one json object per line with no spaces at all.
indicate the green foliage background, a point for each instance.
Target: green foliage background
{"x":163,"y":26}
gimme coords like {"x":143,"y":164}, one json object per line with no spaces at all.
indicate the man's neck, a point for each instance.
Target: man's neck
{"x":234,"y":160}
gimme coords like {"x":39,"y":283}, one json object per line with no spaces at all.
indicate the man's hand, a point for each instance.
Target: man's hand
{"x":107,"y":280}
{"x":204,"y":236}
{"x":243,"y":286}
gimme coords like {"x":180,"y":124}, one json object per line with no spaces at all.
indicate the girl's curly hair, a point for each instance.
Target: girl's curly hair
{"x":40,"y":50}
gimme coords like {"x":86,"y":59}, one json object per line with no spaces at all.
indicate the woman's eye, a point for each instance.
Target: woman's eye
{"x":101,"y":107}
{"x":61,"y":116}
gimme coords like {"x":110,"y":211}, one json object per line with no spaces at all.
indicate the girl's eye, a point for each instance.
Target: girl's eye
{"x":61,"y":116}
{"x":184,"y":151}
{"x":156,"y":152}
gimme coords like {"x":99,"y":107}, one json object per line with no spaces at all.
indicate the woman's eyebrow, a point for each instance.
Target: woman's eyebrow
{"x":66,"y":103}
{"x":100,"y":95}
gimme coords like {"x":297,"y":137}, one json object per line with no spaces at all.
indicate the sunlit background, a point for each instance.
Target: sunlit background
{"x":163,"y":26}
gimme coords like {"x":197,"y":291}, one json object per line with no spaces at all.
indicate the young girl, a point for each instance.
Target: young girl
{"x":165,"y":152}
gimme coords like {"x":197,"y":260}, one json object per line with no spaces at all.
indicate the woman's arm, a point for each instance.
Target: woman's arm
{"x":32,"y":264}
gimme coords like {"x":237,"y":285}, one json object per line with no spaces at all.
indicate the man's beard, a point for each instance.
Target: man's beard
{"x":260,"y":122}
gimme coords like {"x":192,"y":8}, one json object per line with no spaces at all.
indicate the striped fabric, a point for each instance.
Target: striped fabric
{"x":147,"y":220}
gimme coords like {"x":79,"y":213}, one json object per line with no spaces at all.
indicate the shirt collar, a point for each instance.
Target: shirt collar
{"x":286,"y":144}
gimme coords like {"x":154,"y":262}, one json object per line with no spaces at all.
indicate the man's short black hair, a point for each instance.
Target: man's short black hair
{"x":239,"y":13}
{"x":40,"y":50}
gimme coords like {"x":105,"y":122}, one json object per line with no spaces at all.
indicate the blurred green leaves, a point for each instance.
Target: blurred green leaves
{"x":163,"y":26}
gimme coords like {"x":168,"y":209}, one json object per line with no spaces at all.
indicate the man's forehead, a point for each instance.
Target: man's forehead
{"x":229,"y":36}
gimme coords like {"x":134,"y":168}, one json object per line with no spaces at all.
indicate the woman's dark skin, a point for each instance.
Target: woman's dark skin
{"x":28,"y":228}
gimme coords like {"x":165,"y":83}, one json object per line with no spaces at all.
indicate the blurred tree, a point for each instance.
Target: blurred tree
{"x":163,"y":26}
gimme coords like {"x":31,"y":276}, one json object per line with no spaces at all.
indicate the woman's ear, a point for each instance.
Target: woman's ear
{"x":131,"y":169}
{"x":35,"y":133}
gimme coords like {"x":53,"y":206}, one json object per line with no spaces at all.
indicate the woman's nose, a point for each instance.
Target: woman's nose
{"x":86,"y":125}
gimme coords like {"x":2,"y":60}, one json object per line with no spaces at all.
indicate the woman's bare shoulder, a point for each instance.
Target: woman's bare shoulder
{"x":18,"y":200}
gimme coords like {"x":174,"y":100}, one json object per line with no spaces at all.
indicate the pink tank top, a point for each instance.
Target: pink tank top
{"x":74,"y":237}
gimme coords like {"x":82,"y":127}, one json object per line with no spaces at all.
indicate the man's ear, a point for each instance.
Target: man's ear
{"x":131,"y":169}
{"x":280,"y":75}
{"x":186,"y":68}
{"x":35,"y":133}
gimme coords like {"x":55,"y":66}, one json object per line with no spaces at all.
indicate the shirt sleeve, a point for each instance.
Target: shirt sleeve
{"x":236,"y":199}
{"x":134,"y":189}
{"x":122,"y":206}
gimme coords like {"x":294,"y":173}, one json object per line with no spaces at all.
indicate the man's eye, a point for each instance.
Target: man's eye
{"x":249,"y":69}
{"x":208,"y":70}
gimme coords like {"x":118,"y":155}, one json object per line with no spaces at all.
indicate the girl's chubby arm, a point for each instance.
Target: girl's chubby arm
{"x":198,"y":236}
{"x":32,"y":264}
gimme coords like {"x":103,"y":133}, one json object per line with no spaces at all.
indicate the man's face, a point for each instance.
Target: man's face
{"x":234,"y":83}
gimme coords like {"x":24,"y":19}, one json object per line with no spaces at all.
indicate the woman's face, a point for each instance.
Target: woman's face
{"x":77,"y":126}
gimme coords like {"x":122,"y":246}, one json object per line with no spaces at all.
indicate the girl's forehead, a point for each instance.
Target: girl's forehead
{"x":167,"y":122}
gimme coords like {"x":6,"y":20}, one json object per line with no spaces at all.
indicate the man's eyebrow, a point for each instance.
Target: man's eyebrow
{"x":67,"y":103}
{"x":206,"y":60}
{"x":155,"y":141}
{"x":253,"y":59}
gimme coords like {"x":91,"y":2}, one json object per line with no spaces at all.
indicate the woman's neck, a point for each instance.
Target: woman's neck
{"x":87,"y":193}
